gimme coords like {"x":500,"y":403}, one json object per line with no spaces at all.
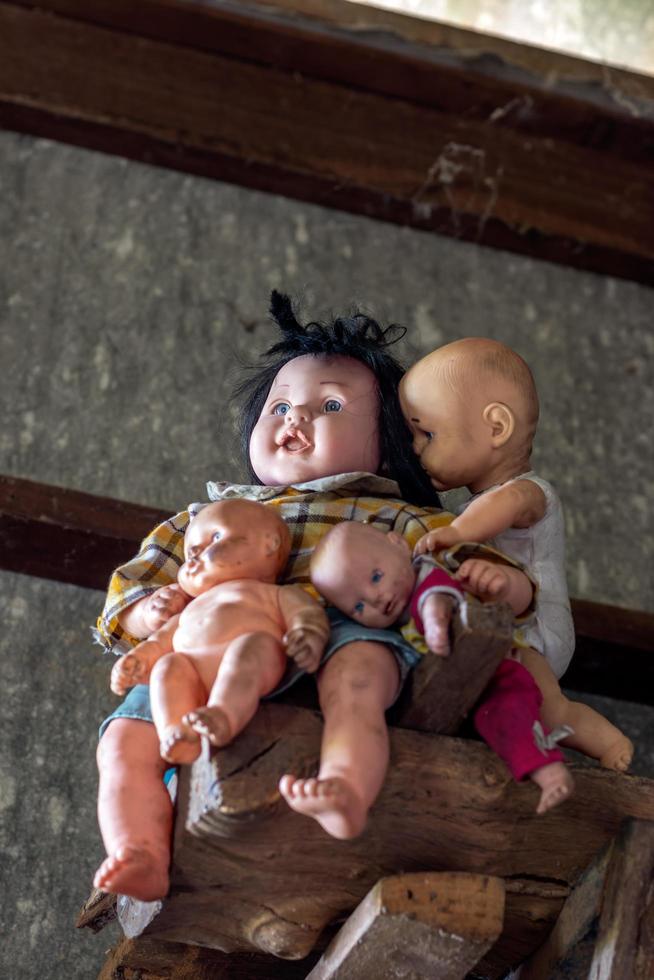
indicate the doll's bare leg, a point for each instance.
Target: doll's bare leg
{"x":134,"y":811}
{"x":556,"y":785}
{"x":176,"y":688}
{"x":251,"y":666}
{"x":594,"y":735}
{"x":355,"y":686}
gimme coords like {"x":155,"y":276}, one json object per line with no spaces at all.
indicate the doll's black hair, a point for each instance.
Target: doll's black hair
{"x":363,"y":339}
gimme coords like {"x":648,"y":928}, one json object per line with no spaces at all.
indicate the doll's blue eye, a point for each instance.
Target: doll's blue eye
{"x":281,"y":409}
{"x":358,"y":608}
{"x":332,"y":405}
{"x":376,"y":576}
{"x":429,"y":436}
{"x":215,"y":536}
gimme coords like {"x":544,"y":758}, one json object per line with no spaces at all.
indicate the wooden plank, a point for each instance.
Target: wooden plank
{"x":606,"y":928}
{"x":441,"y":690}
{"x":240,"y":881}
{"x":67,"y":535}
{"x":417,"y":925}
{"x":147,"y":959}
{"x":404,"y":128}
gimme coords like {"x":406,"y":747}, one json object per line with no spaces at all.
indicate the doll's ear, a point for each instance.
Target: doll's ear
{"x":398,"y":541}
{"x":501,"y":421}
{"x":272,"y":543}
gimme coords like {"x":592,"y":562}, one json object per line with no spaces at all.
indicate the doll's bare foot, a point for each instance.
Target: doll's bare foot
{"x":135,"y":871}
{"x":211,"y":722}
{"x":179,"y":744}
{"x":332,"y":802}
{"x":556,"y":784}
{"x":619,"y":755}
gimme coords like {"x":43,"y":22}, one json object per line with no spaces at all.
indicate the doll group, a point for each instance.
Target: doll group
{"x":331,"y":561}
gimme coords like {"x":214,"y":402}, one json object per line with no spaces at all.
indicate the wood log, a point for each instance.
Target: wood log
{"x":440,"y":691}
{"x":606,"y":928}
{"x":148,"y":959}
{"x":250,"y":874}
{"x":414,"y":926}
{"x":399,"y":119}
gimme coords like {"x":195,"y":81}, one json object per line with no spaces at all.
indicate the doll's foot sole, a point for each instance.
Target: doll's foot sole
{"x":212,"y":722}
{"x":619,"y":755}
{"x":179,"y":745}
{"x":134,"y":871}
{"x":556,"y":785}
{"x":332,"y":802}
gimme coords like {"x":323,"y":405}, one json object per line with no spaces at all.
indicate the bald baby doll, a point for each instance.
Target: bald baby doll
{"x":472,"y":408}
{"x":209,"y":666}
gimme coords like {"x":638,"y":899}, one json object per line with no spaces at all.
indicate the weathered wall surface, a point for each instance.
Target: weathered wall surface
{"x":125,"y":295}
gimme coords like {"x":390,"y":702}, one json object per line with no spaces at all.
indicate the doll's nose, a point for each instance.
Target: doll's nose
{"x":298,"y":413}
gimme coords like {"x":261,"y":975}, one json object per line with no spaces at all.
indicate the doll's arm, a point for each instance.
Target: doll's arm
{"x":518,"y":504}
{"x":491,"y":582}
{"x":134,"y":668}
{"x":307,"y":627}
{"x":146,"y":615}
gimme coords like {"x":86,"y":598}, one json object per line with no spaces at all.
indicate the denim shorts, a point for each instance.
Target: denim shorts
{"x":343,"y":630}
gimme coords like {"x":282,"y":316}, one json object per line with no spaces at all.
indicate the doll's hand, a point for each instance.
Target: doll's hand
{"x":126,"y":672}
{"x":484,"y":579}
{"x":305,"y":645}
{"x":442,"y":537}
{"x":162,"y":605}
{"x":436,"y":612}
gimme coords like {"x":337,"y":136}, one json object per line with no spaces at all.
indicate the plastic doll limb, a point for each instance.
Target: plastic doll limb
{"x":499,"y":583}
{"x":143,"y":617}
{"x":175,"y":689}
{"x":134,"y":811}
{"x":593,"y":734}
{"x":556,"y":785}
{"x":356,"y":686}
{"x":251,"y":666}
{"x":436,"y":613}
{"x":442,"y":537}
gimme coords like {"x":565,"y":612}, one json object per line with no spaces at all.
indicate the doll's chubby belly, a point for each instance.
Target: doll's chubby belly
{"x":226,"y":611}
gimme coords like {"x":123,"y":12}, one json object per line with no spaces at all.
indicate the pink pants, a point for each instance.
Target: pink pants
{"x":505,"y":719}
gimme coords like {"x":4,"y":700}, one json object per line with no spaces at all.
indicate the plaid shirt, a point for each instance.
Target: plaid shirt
{"x":309,"y":509}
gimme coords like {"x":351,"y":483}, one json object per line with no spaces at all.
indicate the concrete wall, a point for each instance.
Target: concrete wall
{"x":125,"y":295}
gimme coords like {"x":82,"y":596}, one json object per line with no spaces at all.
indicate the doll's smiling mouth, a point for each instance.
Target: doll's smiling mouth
{"x":294,"y":441}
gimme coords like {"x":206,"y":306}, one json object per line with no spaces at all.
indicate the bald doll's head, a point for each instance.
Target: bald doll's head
{"x":472,"y":407}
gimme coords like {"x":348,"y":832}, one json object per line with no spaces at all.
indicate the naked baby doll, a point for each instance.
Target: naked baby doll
{"x":472,"y":408}
{"x":369,"y":575}
{"x":209,"y":665}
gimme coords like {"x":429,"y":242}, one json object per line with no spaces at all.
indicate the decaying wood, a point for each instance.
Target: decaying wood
{"x":367,"y":111}
{"x":441,"y":690}
{"x":98,"y":910}
{"x":606,"y":928}
{"x":147,"y":959}
{"x":250,"y":874}
{"x":414,"y":926}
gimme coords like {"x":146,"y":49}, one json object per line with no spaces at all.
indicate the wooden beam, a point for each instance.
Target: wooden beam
{"x":240,"y":882}
{"x":67,"y":535}
{"x":606,"y":928}
{"x":413,"y":926}
{"x":363,"y":110}
{"x":79,"y":538}
{"x":147,"y":959}
{"x":440,"y":691}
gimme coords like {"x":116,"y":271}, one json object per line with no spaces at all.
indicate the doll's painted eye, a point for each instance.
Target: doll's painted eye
{"x":428,"y":435}
{"x":332,"y":405}
{"x":216,"y":536}
{"x":376,"y":576}
{"x":358,"y":608}
{"x":281,"y":409}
